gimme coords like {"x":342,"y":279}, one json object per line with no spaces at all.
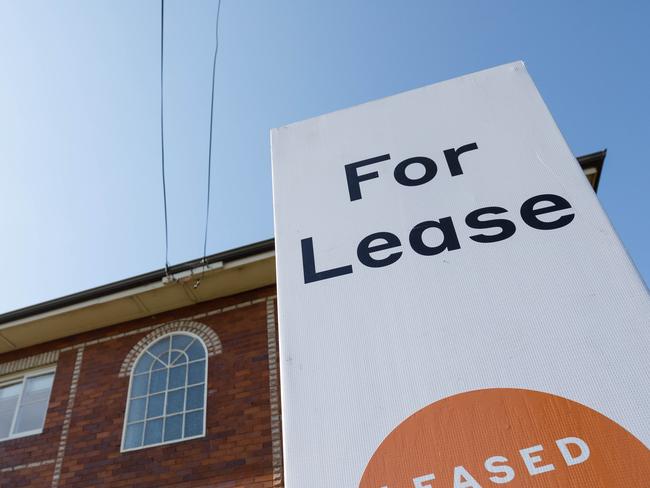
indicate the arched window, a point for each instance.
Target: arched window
{"x":167,"y":393}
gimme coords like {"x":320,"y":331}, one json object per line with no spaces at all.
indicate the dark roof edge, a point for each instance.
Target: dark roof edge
{"x":596,"y":159}
{"x":136,"y":281}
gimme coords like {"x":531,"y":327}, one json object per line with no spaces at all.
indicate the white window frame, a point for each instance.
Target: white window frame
{"x":128,"y":396}
{"x":21,"y":378}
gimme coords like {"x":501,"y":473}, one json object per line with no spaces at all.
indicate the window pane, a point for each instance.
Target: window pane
{"x":10,"y":391}
{"x":155,"y":406}
{"x":37,"y":388}
{"x":196,"y":373}
{"x":6,"y":416}
{"x":176,"y":357}
{"x":8,"y":402}
{"x":39,"y":383}
{"x":133,"y":437}
{"x":195,"y":397}
{"x":196,"y":351}
{"x":136,"y":409}
{"x":158,"y":364}
{"x":144,"y":363}
{"x":175,"y":401}
{"x":158,"y":381}
{"x":177,"y":377}
{"x":194,"y":423}
{"x":30,"y":417}
{"x":153,"y":432}
{"x":139,"y":385}
{"x":163,"y":360}
{"x":173,"y":427}
{"x":181,"y":341}
{"x":159,"y":347}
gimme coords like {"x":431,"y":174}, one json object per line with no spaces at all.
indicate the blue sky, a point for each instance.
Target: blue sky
{"x":80,"y":184}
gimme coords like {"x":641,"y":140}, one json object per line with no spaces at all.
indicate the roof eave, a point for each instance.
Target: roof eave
{"x":223,"y":274}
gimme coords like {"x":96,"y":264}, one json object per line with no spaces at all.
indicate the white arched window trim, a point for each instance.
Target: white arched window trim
{"x":130,"y":396}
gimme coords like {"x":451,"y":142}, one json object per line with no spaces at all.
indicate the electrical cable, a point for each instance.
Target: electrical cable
{"x":207,"y":209}
{"x":162,"y":131}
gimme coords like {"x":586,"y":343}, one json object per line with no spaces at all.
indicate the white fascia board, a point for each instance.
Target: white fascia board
{"x":139,"y":290}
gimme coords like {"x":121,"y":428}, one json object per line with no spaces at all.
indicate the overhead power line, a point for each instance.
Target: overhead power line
{"x":207,"y":207}
{"x":162,"y":136}
{"x":214,"y":71}
{"x":162,"y":130}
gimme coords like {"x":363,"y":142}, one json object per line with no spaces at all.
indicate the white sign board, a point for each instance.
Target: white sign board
{"x":455,"y":309}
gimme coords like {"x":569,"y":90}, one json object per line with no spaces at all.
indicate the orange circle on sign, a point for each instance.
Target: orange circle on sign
{"x":508,"y":437}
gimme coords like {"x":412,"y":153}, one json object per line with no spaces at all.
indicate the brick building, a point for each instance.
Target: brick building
{"x":152,"y":381}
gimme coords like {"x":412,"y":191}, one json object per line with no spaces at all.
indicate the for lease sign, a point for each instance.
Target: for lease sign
{"x":455,"y":309}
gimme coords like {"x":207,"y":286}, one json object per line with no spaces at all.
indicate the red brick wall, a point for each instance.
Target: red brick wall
{"x":237,"y":451}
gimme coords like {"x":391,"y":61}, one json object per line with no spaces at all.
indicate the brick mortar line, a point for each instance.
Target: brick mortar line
{"x":29,"y":465}
{"x":74,"y":384}
{"x":274,"y":396}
